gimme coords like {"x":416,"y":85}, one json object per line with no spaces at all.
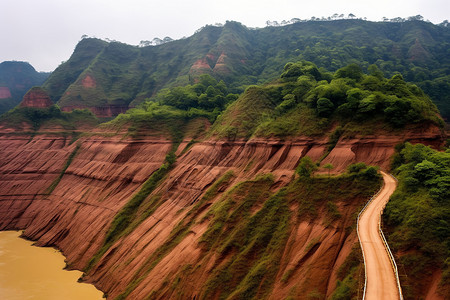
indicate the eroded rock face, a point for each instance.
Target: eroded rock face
{"x":5,"y":93}
{"x":211,"y":64}
{"x":89,"y":82}
{"x":99,"y":181}
{"x":106,"y":171}
{"x":36,"y":97}
{"x":201,"y":66}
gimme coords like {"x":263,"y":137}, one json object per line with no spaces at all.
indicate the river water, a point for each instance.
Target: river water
{"x":29,"y":272}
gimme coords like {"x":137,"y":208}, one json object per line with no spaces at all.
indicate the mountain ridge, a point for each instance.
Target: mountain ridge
{"x":16,"y":78}
{"x":242,"y":56}
{"x":170,"y":193}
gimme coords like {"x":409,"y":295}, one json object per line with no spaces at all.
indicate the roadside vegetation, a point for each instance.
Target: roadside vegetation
{"x":417,"y":217}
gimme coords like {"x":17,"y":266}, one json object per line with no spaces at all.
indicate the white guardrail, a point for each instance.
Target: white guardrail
{"x":391,"y":256}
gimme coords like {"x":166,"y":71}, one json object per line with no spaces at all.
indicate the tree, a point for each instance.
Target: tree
{"x":145,"y":43}
{"x":329,"y":167}
{"x":352,"y":71}
{"x":306,"y":167}
{"x":324,"y":107}
{"x":415,"y":18}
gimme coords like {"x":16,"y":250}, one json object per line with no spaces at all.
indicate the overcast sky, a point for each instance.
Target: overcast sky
{"x":45,"y":32}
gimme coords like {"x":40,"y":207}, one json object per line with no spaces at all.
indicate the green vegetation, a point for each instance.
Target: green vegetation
{"x":256,"y":241}
{"x":307,"y":101}
{"x":329,"y":167}
{"x":51,"y":116}
{"x":18,"y":77}
{"x":248,"y":228}
{"x":350,"y":276}
{"x":306,"y":167}
{"x":179,"y":232}
{"x":68,"y":72}
{"x":417,"y":216}
{"x":173,"y":108}
{"x":241,"y":57}
{"x":127,"y":219}
{"x":69,"y":160}
{"x":207,"y":94}
{"x":152,"y":118}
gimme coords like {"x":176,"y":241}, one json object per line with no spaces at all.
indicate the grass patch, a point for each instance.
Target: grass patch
{"x":124,"y":218}
{"x":179,"y":232}
{"x":69,"y":160}
{"x":248,"y":229}
{"x":350,"y":276}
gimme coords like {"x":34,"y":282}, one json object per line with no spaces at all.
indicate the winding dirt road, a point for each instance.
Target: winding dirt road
{"x":381,"y":281}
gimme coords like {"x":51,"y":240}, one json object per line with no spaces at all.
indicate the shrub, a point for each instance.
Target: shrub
{"x":306,"y":167}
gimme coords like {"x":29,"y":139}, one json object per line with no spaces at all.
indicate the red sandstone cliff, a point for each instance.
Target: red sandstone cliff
{"x":36,"y":97}
{"x":107,"y":171}
{"x":211,"y":64}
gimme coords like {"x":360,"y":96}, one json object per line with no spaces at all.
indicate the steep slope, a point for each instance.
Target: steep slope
{"x":175,"y":221}
{"x":67,"y":73}
{"x":36,"y":97}
{"x":160,"y":203}
{"x":16,"y":78}
{"x":110,"y":77}
{"x":381,"y":280}
{"x":416,"y":220}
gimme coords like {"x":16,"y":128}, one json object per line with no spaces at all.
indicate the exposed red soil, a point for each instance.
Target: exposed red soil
{"x":5,"y":93}
{"x":36,"y":97}
{"x":106,"y":171}
{"x":89,"y":82}
{"x":210,"y":64}
{"x":433,"y":293}
{"x":201,"y":66}
{"x":377,"y":149}
{"x":221,"y":66}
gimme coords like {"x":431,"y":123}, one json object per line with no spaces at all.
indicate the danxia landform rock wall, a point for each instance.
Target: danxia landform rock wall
{"x":66,"y":194}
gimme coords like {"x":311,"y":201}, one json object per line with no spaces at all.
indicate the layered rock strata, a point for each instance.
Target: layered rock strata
{"x":102,"y":173}
{"x":36,"y":97}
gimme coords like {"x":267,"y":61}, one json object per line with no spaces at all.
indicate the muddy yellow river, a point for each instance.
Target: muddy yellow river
{"x":29,"y":272}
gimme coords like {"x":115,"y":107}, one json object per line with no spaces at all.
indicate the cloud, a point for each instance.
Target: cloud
{"x":45,"y":32}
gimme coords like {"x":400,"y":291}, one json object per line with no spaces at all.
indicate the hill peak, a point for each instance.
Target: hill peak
{"x":36,"y":97}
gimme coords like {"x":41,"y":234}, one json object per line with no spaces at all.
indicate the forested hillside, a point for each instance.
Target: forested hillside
{"x":16,"y":78}
{"x":417,"y":217}
{"x":102,"y":74}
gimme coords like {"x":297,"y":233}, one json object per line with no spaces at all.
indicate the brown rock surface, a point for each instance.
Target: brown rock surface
{"x":377,"y":149}
{"x":107,"y":171}
{"x":221,"y":66}
{"x":36,"y":97}
{"x":201,"y":66}
{"x":88,"y":82}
